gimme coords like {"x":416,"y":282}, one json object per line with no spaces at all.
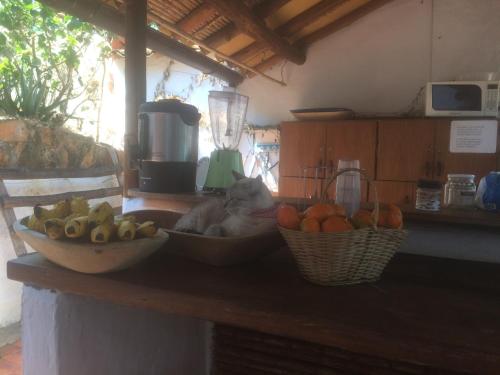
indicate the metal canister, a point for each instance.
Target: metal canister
{"x":460,"y":190}
{"x":168,"y":131}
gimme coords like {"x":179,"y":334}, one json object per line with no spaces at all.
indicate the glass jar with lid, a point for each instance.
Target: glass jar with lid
{"x":460,"y":190}
{"x":428,"y":195}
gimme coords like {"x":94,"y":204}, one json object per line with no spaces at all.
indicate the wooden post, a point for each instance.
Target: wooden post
{"x":135,"y":84}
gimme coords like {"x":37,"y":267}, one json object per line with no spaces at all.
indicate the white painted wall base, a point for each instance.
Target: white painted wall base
{"x":64,"y":334}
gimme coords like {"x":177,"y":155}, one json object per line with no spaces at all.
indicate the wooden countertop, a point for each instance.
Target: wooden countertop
{"x":444,"y":313}
{"x":474,"y":217}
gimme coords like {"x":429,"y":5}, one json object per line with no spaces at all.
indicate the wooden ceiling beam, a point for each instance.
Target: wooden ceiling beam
{"x":230,"y":31}
{"x":329,"y":29}
{"x":291,"y":27}
{"x":342,"y":22}
{"x":197,"y":18}
{"x":246,"y":20}
{"x":166,"y":26}
{"x":104,"y":16}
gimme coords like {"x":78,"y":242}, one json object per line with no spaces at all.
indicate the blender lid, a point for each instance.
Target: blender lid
{"x":189,"y":113}
{"x":225,"y":94}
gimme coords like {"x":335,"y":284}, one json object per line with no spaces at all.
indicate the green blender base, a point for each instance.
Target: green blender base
{"x":221,"y":167}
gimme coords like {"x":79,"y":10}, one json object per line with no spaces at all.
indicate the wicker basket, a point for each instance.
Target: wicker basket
{"x":353,"y":257}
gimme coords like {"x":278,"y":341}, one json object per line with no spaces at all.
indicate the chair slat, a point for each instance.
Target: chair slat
{"x":27,"y":201}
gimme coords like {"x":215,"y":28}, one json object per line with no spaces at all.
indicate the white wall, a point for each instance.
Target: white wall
{"x":187,"y":83}
{"x":378,"y":64}
{"x":65,"y":334}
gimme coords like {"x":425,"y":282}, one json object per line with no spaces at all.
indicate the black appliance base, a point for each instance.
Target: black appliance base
{"x":167,"y":176}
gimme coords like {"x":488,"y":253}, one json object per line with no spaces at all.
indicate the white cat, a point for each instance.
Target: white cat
{"x":247,"y":209}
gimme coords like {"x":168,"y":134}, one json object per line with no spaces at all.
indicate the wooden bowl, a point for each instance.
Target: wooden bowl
{"x":88,"y":257}
{"x":215,"y":251}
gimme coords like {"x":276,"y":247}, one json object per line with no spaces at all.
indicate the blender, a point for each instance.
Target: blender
{"x":227,"y":116}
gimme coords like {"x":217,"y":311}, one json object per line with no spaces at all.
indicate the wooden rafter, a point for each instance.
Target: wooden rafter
{"x":197,"y":18}
{"x":343,"y":22}
{"x":331,"y":28}
{"x":175,"y":29}
{"x":104,"y":16}
{"x":249,"y":23}
{"x":262,"y":10}
{"x":291,"y":27}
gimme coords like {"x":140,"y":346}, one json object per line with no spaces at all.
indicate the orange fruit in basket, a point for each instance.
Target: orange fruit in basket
{"x":382,"y":218}
{"x":339,"y":210}
{"x":390,"y":217}
{"x":320,"y":211}
{"x":336,"y":224}
{"x":394,"y":217}
{"x":288,"y":216}
{"x":310,"y":225}
{"x":362,"y":219}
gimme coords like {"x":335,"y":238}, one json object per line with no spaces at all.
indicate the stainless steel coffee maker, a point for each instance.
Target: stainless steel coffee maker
{"x":168,"y":146}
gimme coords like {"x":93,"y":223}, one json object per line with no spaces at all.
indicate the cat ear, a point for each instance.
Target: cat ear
{"x":259,"y":179}
{"x":238,"y":176}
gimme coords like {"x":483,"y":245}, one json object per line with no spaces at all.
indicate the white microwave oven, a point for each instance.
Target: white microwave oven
{"x":462,"y":98}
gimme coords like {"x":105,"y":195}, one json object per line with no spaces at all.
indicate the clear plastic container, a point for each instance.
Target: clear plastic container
{"x":460,"y":190}
{"x":348,"y":188}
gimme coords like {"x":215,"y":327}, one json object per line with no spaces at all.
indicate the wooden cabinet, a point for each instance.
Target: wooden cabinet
{"x":298,"y":187}
{"x":395,"y":152}
{"x":405,"y":149}
{"x":352,"y":140}
{"x":302,"y":144}
{"x":409,"y":149}
{"x":447,"y":162}
{"x":394,"y":192}
{"x":323,"y":144}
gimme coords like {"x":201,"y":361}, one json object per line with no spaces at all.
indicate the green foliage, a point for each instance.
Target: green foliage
{"x":40,"y":54}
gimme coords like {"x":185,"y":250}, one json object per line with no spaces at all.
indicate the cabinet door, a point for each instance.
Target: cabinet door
{"x":297,"y":187}
{"x":447,"y":162}
{"x":302,"y":144}
{"x":405,"y":149}
{"x":400,"y":193}
{"x":352,"y":140}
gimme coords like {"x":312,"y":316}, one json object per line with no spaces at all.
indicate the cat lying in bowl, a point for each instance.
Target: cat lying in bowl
{"x":247,"y":209}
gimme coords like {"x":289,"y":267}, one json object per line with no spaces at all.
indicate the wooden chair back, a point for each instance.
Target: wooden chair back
{"x":8,"y":203}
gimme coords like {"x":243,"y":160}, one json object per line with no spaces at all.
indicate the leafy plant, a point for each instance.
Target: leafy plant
{"x":40,"y":55}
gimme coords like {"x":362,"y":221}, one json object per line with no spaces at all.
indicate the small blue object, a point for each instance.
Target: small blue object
{"x":491,"y":194}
